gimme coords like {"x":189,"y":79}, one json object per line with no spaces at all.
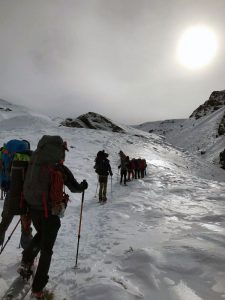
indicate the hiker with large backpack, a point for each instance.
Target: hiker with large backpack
{"x":103,"y":169}
{"x":14,"y":161}
{"x":46,"y":200}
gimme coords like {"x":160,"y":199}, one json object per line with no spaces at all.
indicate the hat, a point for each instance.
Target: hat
{"x":65,"y":146}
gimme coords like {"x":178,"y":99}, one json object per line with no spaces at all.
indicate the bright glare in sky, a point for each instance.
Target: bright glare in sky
{"x":197,"y":47}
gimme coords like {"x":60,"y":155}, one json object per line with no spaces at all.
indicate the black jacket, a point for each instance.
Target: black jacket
{"x":70,"y":181}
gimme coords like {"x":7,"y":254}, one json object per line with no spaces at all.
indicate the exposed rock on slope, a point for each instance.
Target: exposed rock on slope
{"x":215,"y":102}
{"x":202,"y":134}
{"x":92,"y":120}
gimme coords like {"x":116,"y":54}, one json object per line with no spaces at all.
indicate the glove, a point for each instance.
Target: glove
{"x":84,"y":184}
{"x":111,"y":174}
{"x":58,"y":210}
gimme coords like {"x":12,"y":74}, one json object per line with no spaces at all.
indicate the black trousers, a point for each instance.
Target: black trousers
{"x":123,"y":176}
{"x":43,"y":242}
{"x":6,"y":220}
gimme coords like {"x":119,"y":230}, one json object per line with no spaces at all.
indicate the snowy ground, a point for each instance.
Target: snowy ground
{"x":160,"y":238}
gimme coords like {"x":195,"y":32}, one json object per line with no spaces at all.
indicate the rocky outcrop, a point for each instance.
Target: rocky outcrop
{"x":215,"y":102}
{"x":221,"y":129}
{"x":222,"y":159}
{"x":5,"y":109}
{"x":92,"y":120}
{"x":5,"y":106}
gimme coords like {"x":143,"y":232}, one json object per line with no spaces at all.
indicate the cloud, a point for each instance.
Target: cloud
{"x":69,"y":57}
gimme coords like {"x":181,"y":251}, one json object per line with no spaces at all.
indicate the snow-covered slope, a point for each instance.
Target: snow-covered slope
{"x":159,"y":238}
{"x":201,"y":134}
{"x":163,"y":128}
{"x":19,"y":117}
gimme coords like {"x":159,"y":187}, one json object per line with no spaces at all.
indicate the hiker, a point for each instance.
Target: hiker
{"x":43,"y":191}
{"x":3,"y":193}
{"x":103,"y":169}
{"x":15,"y":157}
{"x":124,"y":161}
{"x":137,"y":168}
{"x":130,"y":170}
{"x":143,"y":166}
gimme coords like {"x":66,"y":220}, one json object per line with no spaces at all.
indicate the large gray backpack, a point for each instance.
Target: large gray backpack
{"x":50,"y":151}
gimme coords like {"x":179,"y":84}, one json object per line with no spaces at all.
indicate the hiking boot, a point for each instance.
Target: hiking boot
{"x":100,"y":199}
{"x":104,"y":199}
{"x":37,"y":295}
{"x":42,"y":295}
{"x":25,"y":270}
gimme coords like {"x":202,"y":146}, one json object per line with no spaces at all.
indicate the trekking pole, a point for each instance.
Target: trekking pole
{"x":111,"y":187}
{"x":79,"y":230}
{"x":3,"y":246}
{"x":96,"y":190}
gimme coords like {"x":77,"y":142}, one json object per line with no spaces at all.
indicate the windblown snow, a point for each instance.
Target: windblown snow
{"x":159,"y":238}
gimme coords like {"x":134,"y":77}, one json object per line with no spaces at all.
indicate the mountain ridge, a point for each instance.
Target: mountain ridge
{"x":201,"y":134}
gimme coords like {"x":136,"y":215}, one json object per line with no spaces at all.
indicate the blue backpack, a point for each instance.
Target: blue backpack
{"x":10,"y":148}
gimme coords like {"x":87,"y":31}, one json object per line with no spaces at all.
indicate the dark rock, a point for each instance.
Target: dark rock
{"x":215,"y":102}
{"x":92,"y":120}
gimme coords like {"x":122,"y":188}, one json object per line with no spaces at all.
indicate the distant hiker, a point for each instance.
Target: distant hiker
{"x":130,"y":170}
{"x":3,"y":193}
{"x":124,"y":161}
{"x":46,"y":200}
{"x":143,"y":166}
{"x":103,"y":169}
{"x":14,"y":161}
{"x":137,"y":169}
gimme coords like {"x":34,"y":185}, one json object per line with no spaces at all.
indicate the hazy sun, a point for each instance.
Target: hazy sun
{"x":197,"y":47}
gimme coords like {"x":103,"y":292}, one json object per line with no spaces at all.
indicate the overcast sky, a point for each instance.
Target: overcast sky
{"x":114,"y":57}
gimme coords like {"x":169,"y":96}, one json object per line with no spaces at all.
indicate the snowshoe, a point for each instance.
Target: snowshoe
{"x":26,"y":270}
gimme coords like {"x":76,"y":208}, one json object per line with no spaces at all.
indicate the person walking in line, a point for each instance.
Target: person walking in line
{"x":124,"y":161}
{"x":46,"y":200}
{"x":142,"y":167}
{"x":15,"y":157}
{"x":103,"y":169}
{"x":130,"y":170}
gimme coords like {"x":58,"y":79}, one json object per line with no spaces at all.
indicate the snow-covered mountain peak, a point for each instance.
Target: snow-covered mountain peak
{"x":17,"y":117}
{"x":93,"y":120}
